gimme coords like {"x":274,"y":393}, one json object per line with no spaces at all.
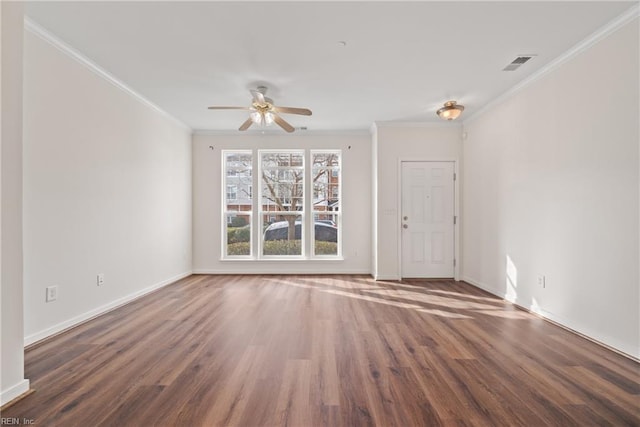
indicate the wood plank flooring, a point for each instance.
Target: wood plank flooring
{"x":324,"y":351}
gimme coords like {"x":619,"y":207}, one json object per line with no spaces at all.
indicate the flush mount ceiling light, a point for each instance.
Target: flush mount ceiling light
{"x":450,"y":111}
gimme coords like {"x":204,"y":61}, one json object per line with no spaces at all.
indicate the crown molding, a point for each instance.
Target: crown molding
{"x":276,"y":132}
{"x":605,"y":31}
{"x":54,"y":41}
{"x":418,"y":125}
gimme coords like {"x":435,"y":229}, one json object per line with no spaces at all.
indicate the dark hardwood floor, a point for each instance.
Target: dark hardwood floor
{"x":324,"y":350}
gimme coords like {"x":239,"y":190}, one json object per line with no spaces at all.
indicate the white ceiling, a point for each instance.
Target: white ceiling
{"x":402,"y":60}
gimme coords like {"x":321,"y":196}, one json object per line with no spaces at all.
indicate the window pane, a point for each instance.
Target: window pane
{"x":326,"y":180}
{"x":238,"y":163}
{"x":282,"y":192}
{"x":238,"y":202}
{"x":238,"y":181}
{"x":326,"y":202}
{"x":282,"y":234}
{"x":325,"y":233}
{"x":238,"y":234}
{"x":292,"y":159}
{"x":324,"y":159}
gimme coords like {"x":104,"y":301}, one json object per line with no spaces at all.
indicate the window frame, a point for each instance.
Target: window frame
{"x":259,"y":214}
{"x":335,"y":214}
{"x":226,"y":212}
{"x":262,"y":212}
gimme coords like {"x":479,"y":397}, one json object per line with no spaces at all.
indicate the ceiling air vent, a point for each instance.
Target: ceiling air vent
{"x":516,"y":63}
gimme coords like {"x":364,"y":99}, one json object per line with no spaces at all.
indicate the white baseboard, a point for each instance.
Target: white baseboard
{"x":562,"y":322}
{"x":13,"y":392}
{"x":529,"y":307}
{"x":485,"y":287}
{"x":75,"y":321}
{"x":387,"y":277}
{"x":276,"y":270}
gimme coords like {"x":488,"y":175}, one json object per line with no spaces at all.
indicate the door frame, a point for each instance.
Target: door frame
{"x":456,"y":211}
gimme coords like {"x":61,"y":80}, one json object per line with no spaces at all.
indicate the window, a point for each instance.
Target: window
{"x":282,"y":195}
{"x":237,"y":203}
{"x":325,"y":171}
{"x":232,"y":192}
{"x":290,"y":224}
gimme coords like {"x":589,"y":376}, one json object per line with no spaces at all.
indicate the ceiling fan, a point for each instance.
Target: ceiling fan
{"x":263,"y":112}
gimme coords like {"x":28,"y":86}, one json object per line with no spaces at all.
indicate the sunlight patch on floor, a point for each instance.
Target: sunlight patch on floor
{"x":444,"y":313}
{"x":435,"y":300}
{"x":369,"y":298}
{"x":383,"y":293}
{"x":459,"y":295}
{"x":505,"y":314}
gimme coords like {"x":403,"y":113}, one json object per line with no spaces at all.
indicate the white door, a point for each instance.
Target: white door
{"x":427,"y":219}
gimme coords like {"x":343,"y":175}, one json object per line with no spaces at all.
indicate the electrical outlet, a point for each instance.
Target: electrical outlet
{"x":542,"y":281}
{"x":100,"y":279}
{"x":52,"y":293}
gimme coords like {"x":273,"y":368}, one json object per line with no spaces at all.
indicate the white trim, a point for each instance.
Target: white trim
{"x":456,"y":226}
{"x":296,"y":134}
{"x":373,"y":231}
{"x":486,"y":288}
{"x":558,"y":320}
{"x":45,"y":35}
{"x":280,"y":259}
{"x":577,"y":49}
{"x":456,"y":212}
{"x":91,"y":314}
{"x":399,"y":218}
{"x":419,"y":125}
{"x":13,"y":392}
{"x":387,"y":278}
{"x":290,"y":270}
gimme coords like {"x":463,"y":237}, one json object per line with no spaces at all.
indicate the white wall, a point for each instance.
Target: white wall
{"x":107,"y":189}
{"x":356,"y":201}
{"x":12,"y":381}
{"x":393,"y":143}
{"x":551,"y":188}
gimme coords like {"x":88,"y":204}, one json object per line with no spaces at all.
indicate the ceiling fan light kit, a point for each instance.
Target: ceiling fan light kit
{"x":260,"y":118}
{"x":264,"y":113}
{"x":450,"y":111}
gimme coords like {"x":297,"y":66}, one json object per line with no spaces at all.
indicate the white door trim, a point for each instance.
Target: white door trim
{"x":456,"y":210}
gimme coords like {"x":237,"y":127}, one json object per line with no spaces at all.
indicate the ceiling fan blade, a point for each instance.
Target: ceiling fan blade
{"x":228,"y":108}
{"x":292,"y":110}
{"x":282,"y":123}
{"x":258,"y":97}
{"x":246,"y":124}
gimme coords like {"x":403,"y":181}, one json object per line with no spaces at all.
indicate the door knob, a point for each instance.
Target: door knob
{"x":406,"y":218}
{"x":405,"y":226}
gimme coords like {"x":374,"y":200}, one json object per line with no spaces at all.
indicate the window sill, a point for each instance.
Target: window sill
{"x":276,"y":259}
